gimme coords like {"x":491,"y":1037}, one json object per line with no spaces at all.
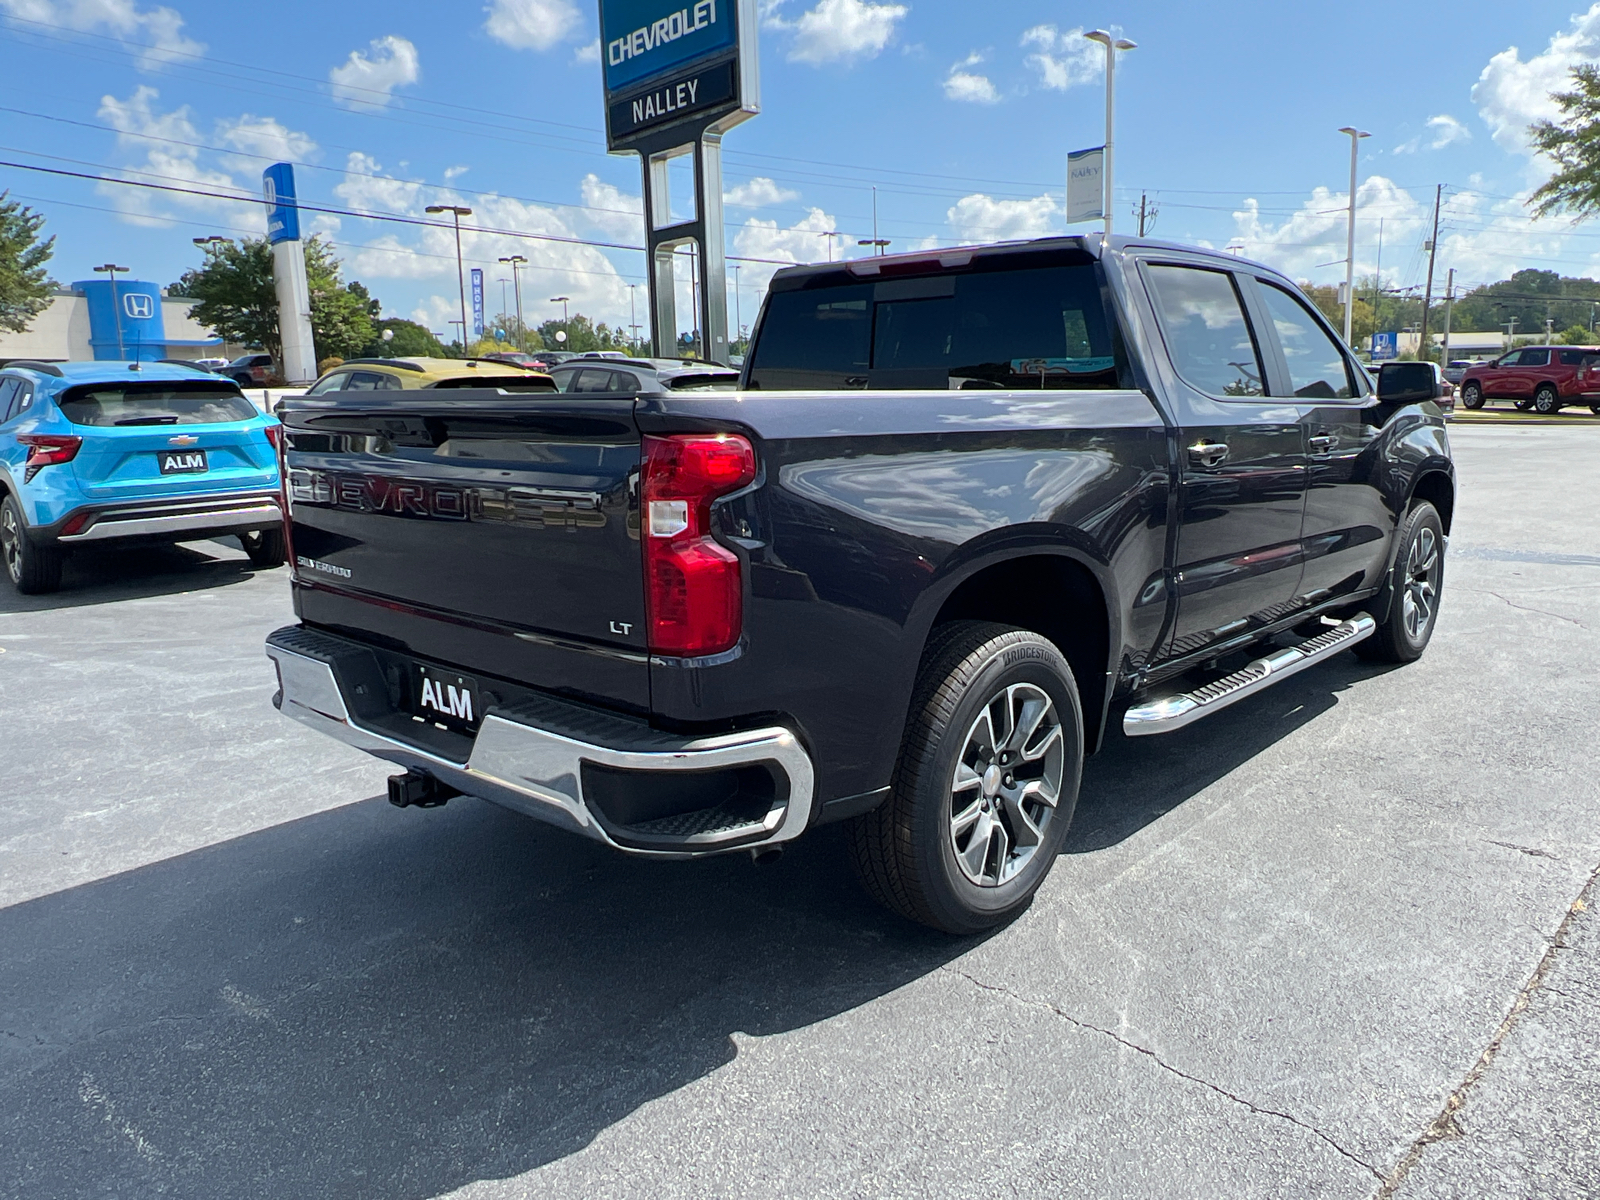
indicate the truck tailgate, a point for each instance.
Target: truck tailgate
{"x":497,"y":536}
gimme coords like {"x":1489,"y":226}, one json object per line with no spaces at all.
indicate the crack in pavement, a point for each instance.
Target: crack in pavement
{"x":1529,"y":850}
{"x":1166,"y":1066}
{"x":1444,"y":1126}
{"x":1525,"y":608}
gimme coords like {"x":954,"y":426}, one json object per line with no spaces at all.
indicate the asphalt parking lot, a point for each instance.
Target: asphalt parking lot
{"x":1337,"y":941}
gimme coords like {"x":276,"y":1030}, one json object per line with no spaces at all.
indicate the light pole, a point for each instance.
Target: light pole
{"x":830,"y":234}
{"x":565,"y":331}
{"x":1112,"y":45}
{"x":213,"y":240}
{"x":457,"y":211}
{"x":116,"y":309}
{"x":503,"y":282}
{"x":738,"y":306}
{"x":880,"y":244}
{"x":1350,"y":234}
{"x":516,"y":260}
{"x":633,"y":309}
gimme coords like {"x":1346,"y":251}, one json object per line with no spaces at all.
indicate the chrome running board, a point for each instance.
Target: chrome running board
{"x":1174,"y":712}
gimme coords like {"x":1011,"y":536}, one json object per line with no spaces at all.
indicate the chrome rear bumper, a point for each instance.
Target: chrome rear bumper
{"x":177,"y":519}
{"x":539,"y":758}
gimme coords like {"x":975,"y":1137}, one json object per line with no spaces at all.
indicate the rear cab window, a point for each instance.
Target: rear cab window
{"x":119,"y":404}
{"x":1043,"y":327}
{"x":1202,"y":321}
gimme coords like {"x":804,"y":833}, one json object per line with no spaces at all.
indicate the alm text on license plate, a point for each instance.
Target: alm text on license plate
{"x":446,"y":698}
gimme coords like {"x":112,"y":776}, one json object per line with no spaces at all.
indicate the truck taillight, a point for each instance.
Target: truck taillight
{"x":694,"y":596}
{"x":47,"y":450}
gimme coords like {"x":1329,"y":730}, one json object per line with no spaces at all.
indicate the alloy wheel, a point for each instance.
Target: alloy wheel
{"x":11,"y":544}
{"x":1007,"y":784}
{"x":1422,"y":583}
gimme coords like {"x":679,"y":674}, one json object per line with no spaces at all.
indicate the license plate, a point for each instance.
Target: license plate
{"x":183,"y":462}
{"x":447,"y":699}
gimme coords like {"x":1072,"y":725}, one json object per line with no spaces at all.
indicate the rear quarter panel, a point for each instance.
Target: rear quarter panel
{"x":872,"y":508}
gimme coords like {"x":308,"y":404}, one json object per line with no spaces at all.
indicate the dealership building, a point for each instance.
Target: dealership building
{"x":106,"y":319}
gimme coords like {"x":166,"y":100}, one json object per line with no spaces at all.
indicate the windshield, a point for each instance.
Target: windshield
{"x":1038,"y":328}
{"x":198,"y":403}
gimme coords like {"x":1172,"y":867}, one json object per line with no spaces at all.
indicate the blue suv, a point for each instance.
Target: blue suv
{"x":119,"y":452}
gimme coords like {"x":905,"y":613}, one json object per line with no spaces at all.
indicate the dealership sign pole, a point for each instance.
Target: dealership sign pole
{"x":678,"y":75}
{"x":289,"y":273}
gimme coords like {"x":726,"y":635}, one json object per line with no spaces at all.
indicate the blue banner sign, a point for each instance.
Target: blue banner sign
{"x":645,"y":40}
{"x":283,"y":217}
{"x":1385,"y":347}
{"x":477,"y":304}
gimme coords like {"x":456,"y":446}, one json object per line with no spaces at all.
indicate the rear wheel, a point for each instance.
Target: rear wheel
{"x":1472,"y":396}
{"x":1546,"y":401}
{"x":986,"y":783}
{"x":266,"y":547}
{"x":1595,"y":409}
{"x":1416,"y":582}
{"x":32,"y":567}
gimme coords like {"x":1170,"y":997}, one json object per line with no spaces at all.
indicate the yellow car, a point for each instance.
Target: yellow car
{"x":403,"y":374}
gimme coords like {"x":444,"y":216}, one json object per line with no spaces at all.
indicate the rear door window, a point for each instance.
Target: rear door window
{"x":1317,"y":368}
{"x":1033,"y":328}
{"x":1203,"y":323}
{"x":1572,"y":358}
{"x":591,"y":379}
{"x":155,"y":404}
{"x":331,"y":383}
{"x":370,"y":381}
{"x":8,"y":393}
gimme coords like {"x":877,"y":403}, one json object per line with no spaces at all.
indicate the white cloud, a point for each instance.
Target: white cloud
{"x":1064,"y":60}
{"x":157,"y":33}
{"x":1512,"y":94}
{"x":981,"y":218}
{"x":428,"y":254}
{"x":587,"y":53}
{"x":838,"y":30}
{"x":1445,"y":130}
{"x":532,"y":24}
{"x":264,"y":138}
{"x":758,"y":192}
{"x":809,"y":240}
{"x":966,"y":85}
{"x":612,"y":211}
{"x":168,"y":143}
{"x":1307,"y":240}
{"x":366,"y":81}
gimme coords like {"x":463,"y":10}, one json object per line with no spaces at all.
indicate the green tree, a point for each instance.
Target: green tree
{"x":1573,"y":142}
{"x":583,"y":335}
{"x":238,"y":299}
{"x":409,"y":339}
{"x":24,"y":282}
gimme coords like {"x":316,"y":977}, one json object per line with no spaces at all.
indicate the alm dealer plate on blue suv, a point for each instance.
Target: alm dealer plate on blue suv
{"x":183,"y":462}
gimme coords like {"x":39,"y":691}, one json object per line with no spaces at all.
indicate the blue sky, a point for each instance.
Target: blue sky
{"x":960,"y":114}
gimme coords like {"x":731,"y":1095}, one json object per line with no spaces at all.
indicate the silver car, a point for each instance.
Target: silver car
{"x":639,"y":376}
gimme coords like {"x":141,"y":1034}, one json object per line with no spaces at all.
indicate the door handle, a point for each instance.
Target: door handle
{"x":1323,"y":443}
{"x":1208,"y":454}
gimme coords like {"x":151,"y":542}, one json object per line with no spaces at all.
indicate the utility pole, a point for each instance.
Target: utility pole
{"x":517,"y":260}
{"x":738,"y":305}
{"x":1449,"y":299}
{"x":1147,"y":214}
{"x":1427,"y":295}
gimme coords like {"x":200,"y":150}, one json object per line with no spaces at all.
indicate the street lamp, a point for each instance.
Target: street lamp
{"x":633,"y":308}
{"x":213,"y":240}
{"x":1350,"y":234}
{"x":830,"y":234}
{"x":1112,"y":45}
{"x":561,"y":300}
{"x":516,"y":260}
{"x":880,"y":243}
{"x":457,"y":212}
{"x":116,"y":308}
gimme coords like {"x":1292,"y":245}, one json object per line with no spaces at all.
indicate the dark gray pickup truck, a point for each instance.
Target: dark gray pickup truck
{"x":968,"y":508}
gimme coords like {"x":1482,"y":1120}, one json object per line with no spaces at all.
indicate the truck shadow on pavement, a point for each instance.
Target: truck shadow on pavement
{"x":369,"y":1002}
{"x":1133,"y":782}
{"x":104,"y":575}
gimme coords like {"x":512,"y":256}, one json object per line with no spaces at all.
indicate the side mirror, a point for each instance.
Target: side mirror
{"x":1402,"y":383}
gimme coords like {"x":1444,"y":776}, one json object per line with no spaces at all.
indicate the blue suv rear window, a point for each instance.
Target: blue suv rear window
{"x":199,"y":403}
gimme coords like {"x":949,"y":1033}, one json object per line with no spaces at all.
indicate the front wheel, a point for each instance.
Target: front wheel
{"x":986,"y":783}
{"x":33,"y":568}
{"x":266,"y":547}
{"x":1415,"y":584}
{"x":1472,"y":396}
{"x":1546,"y":401}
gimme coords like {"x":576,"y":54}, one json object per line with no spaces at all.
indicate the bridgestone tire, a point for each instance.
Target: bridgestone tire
{"x":34,"y":568}
{"x":1546,"y":401}
{"x":1472,"y":396}
{"x":904,"y":851}
{"x":1395,"y":641}
{"x":266,"y":547}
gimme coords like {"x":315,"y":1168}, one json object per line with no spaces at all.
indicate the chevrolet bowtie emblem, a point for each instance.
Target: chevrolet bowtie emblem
{"x":183,"y":439}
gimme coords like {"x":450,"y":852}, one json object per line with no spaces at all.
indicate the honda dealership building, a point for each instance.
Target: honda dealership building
{"x":105,"y":319}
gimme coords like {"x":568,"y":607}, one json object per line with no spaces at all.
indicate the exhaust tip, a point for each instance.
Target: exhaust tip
{"x":765,"y":856}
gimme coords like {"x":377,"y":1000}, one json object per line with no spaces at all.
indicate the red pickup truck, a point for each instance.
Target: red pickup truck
{"x":1543,"y":378}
